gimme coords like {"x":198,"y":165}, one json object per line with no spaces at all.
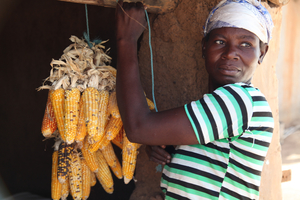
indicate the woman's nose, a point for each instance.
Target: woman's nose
{"x":230,"y":52}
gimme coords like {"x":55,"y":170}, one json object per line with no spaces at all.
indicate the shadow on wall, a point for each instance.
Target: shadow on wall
{"x":32,"y":32}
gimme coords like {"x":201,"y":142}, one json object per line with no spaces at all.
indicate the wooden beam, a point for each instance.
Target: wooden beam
{"x":153,"y":6}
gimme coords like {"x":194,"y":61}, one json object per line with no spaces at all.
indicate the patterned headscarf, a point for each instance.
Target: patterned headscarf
{"x":246,"y":14}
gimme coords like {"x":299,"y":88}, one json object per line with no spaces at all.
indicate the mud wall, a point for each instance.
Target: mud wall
{"x":288,"y":65}
{"x":180,"y":77}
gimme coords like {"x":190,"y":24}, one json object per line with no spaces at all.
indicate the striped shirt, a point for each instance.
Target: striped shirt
{"x":234,"y":127}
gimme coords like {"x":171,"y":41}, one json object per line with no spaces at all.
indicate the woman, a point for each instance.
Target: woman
{"x":222,"y":139}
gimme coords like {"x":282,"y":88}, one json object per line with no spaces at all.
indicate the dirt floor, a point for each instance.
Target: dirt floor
{"x":291,"y":160}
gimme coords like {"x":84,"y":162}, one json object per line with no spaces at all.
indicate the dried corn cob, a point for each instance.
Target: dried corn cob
{"x":107,"y":189}
{"x":104,"y":175}
{"x":72,"y":97}
{"x":104,"y":95}
{"x":118,"y":140}
{"x":113,"y":128}
{"x":86,"y":180}
{"x":91,"y":108}
{"x":113,"y":105}
{"x":93,"y":179}
{"x":89,"y":157}
{"x":64,"y":159}
{"x":129,"y":155}
{"x":81,"y":128}
{"x":75,"y":176}
{"x":65,"y":190}
{"x":57,"y":101}
{"x":117,"y":170}
{"x":109,"y":155}
{"x":49,"y":123}
{"x":55,"y":184}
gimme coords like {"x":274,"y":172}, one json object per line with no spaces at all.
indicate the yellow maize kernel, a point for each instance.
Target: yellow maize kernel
{"x":72,"y":97}
{"x":55,"y":184}
{"x":81,"y":128}
{"x":129,"y":155}
{"x":89,"y":157}
{"x":49,"y":124}
{"x":75,"y":177}
{"x":86,"y":180}
{"x":65,"y":190}
{"x":57,"y":101}
{"x":91,"y":108}
{"x":113,"y":108}
{"x":104,"y":175}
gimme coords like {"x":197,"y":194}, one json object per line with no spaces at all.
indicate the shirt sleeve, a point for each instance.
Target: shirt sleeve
{"x":224,"y":113}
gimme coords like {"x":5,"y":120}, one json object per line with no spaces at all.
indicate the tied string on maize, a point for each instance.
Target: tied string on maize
{"x":86,"y":34}
{"x":159,"y":166}
{"x":150,"y":47}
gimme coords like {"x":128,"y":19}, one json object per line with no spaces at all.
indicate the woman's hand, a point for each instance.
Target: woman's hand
{"x":158,"y":154}
{"x":130,"y":21}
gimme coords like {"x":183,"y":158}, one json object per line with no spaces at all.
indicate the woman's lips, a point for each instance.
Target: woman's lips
{"x":228,"y":70}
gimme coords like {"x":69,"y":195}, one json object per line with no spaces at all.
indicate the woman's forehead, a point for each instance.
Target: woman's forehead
{"x":239,"y":33}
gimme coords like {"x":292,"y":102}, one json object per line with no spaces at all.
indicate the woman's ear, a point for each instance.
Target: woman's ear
{"x":263,"y":51}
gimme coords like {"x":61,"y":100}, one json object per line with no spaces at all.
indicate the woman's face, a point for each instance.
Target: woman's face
{"x":232,"y":55}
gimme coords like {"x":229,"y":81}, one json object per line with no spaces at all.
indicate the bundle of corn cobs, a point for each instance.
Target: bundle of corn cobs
{"x":83,"y":117}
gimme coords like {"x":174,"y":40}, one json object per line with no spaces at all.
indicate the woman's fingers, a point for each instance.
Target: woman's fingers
{"x":158,"y":154}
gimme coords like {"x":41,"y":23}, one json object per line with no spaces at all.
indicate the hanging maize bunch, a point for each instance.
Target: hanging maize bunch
{"x":82,"y":108}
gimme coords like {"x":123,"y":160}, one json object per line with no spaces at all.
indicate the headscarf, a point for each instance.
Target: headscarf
{"x":246,"y":14}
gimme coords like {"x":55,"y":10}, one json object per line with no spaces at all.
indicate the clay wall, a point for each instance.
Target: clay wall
{"x":288,"y":65}
{"x":180,"y":77}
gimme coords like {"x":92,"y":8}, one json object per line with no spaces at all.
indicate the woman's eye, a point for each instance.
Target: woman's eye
{"x":219,"y":42}
{"x":246,"y":44}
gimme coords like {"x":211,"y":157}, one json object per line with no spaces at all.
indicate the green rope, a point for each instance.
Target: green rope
{"x":86,"y":35}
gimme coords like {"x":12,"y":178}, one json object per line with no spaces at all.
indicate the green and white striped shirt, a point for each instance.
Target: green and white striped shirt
{"x":234,"y":126}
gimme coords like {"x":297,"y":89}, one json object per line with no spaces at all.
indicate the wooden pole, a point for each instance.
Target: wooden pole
{"x":157,"y":6}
